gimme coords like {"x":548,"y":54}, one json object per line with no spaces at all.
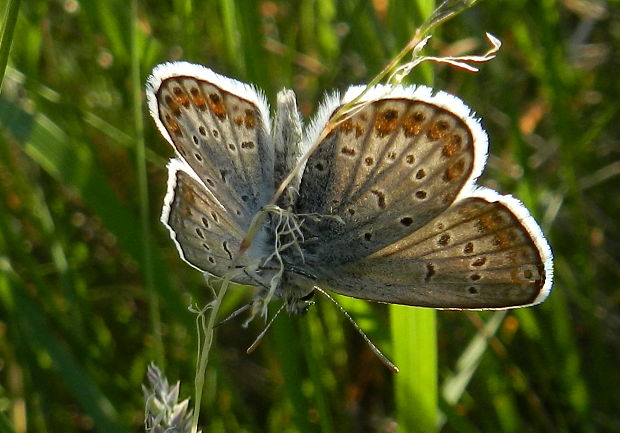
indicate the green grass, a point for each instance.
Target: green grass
{"x":92,"y":289}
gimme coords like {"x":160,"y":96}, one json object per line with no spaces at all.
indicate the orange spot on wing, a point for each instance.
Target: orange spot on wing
{"x":249,"y":119}
{"x":412,"y":124}
{"x":386,"y":122}
{"x":349,"y":125}
{"x":346,"y":126}
{"x":438,"y":129}
{"x":359,"y":130}
{"x":454,"y":170}
{"x":180,"y":96}
{"x":452,"y":144}
{"x":216,"y":105}
{"x":198,"y":99}
{"x":173,"y":126}
{"x":172,"y":105}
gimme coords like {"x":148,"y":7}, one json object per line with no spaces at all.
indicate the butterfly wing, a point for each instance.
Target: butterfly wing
{"x":399,"y":174}
{"x":483,"y":252}
{"x":387,"y":171}
{"x":224,"y":170}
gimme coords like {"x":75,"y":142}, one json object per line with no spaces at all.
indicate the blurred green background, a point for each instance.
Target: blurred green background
{"x":92,"y":288}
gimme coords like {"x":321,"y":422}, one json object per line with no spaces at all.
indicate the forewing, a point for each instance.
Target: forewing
{"x":484,"y":252}
{"x":220,"y":127}
{"x":386,"y":171}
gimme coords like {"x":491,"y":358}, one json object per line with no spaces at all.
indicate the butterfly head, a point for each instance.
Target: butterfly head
{"x":297,"y":291}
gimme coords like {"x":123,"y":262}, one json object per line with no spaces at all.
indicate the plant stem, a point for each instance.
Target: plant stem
{"x":203,"y":360}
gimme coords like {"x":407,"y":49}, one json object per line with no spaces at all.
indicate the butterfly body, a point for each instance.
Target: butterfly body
{"x":386,"y":208}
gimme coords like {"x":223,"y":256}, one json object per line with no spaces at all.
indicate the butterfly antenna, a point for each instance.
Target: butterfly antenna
{"x":234,"y":314}
{"x":389,"y":364}
{"x":262,"y":334}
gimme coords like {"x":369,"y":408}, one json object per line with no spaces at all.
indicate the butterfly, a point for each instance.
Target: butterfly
{"x":382,"y":204}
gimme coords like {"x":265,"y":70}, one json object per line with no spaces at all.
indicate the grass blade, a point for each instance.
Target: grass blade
{"x":415,"y":353}
{"x":6,"y":38}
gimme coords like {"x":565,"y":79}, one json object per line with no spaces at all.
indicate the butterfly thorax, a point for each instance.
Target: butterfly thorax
{"x":275,"y":262}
